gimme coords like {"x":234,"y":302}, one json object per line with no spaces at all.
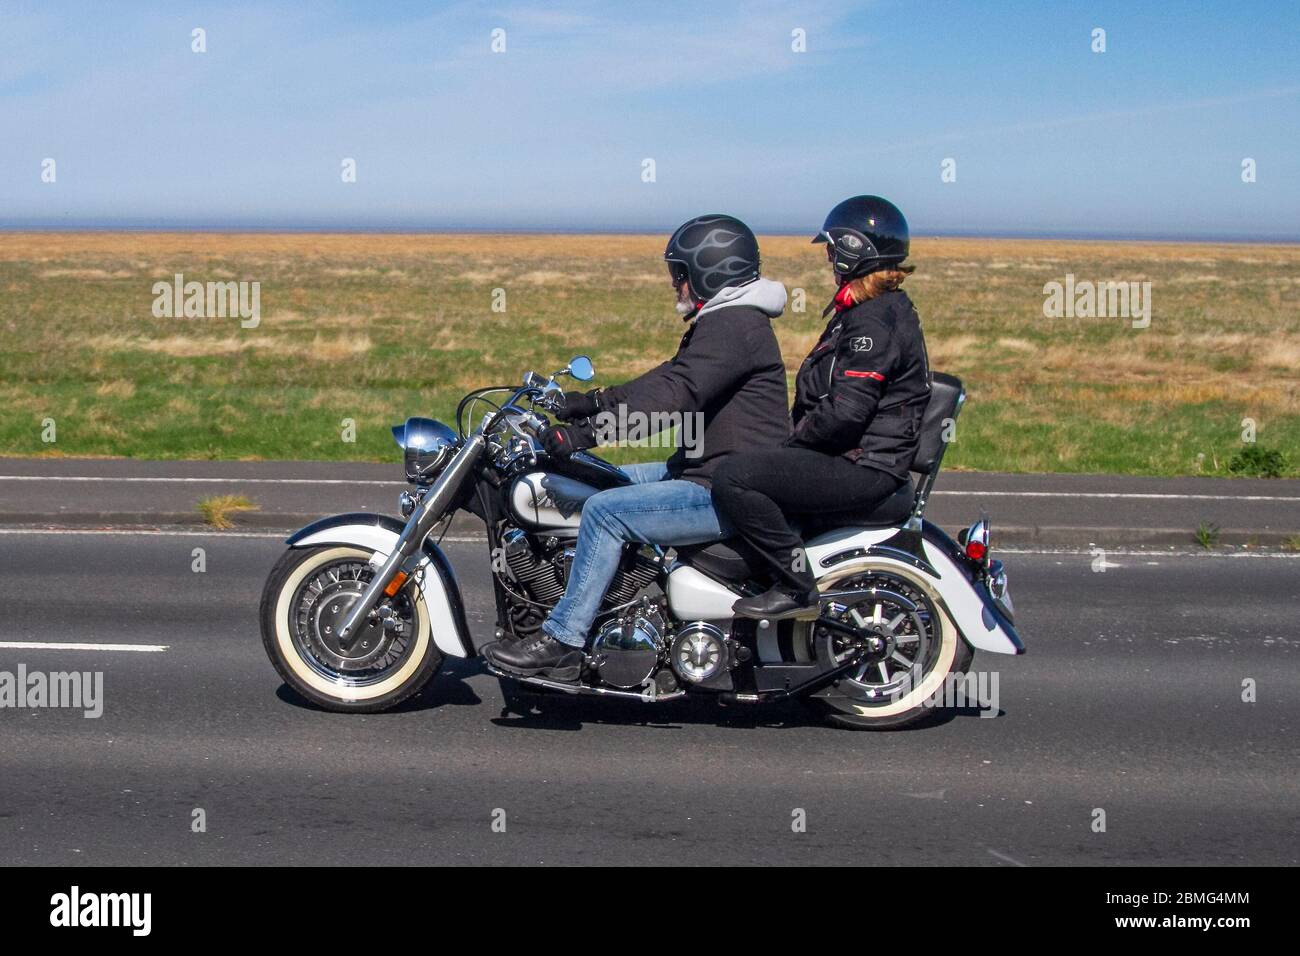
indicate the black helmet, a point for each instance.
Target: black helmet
{"x":866,"y":233}
{"x":713,"y":252}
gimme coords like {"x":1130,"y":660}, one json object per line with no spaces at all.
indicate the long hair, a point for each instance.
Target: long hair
{"x":879,"y":282}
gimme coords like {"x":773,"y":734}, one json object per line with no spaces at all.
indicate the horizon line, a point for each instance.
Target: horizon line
{"x":249,"y":228}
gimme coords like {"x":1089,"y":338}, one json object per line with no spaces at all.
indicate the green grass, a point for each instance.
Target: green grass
{"x":1207,"y":535}
{"x":376,"y":328}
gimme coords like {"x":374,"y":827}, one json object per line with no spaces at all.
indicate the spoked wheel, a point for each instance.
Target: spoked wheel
{"x":905,"y":645}
{"x":307,"y":598}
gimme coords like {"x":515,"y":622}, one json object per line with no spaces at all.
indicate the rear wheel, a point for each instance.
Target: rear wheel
{"x":306,"y":599}
{"x":906,"y":644}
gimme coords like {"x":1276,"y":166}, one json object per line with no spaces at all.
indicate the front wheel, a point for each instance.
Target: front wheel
{"x":907,"y":645}
{"x":306,"y":599}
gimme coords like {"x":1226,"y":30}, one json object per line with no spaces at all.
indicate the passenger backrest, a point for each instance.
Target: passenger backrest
{"x":946,"y":395}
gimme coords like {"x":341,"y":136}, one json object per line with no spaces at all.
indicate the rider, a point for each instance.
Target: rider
{"x":859,"y":398}
{"x":727,"y":370}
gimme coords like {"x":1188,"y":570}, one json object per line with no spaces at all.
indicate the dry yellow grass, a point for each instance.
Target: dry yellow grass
{"x":409,"y":317}
{"x":219,"y":510}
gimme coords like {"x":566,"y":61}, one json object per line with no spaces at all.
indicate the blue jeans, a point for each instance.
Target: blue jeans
{"x":654,"y":509}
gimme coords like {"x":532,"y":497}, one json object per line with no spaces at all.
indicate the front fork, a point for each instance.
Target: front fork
{"x":429,"y":512}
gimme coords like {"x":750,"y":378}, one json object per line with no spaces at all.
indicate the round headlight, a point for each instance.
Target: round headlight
{"x":427,"y":445}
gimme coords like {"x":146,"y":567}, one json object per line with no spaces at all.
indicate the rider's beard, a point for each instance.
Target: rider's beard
{"x":685,"y":300}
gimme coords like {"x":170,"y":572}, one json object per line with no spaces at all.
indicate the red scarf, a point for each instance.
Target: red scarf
{"x":843,"y":300}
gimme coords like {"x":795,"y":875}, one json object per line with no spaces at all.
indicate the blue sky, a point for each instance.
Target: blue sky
{"x":1146,"y":139}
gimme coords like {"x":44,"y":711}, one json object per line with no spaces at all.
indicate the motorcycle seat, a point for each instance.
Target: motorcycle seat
{"x":733,"y":560}
{"x":726,"y":560}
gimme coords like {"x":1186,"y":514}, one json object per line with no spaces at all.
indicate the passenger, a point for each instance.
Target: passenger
{"x":859,"y":399}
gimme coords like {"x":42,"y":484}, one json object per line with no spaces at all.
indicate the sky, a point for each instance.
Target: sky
{"x":1045,"y":136}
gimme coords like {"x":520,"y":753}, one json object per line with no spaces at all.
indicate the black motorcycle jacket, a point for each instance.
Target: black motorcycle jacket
{"x":863,"y":389}
{"x":728,"y":369}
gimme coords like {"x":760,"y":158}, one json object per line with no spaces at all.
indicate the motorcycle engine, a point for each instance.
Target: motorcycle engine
{"x":628,"y":649}
{"x":541,"y":568}
{"x":542,"y":573}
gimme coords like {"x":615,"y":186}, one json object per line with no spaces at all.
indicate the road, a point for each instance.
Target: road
{"x":1129,"y":702}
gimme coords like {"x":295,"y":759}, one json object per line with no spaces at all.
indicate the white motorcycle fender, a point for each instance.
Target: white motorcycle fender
{"x":975,"y":617}
{"x":433,"y":575}
{"x":979,"y":623}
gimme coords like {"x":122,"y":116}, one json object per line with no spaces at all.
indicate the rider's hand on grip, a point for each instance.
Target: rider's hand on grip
{"x":561,"y":441}
{"x":576,"y":405}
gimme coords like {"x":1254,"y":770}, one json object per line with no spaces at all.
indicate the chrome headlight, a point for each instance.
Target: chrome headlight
{"x":428,"y":445}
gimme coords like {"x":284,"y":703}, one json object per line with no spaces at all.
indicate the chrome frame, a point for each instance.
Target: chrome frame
{"x":444,"y":489}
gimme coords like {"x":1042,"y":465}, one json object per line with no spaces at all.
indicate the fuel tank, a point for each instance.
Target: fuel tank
{"x":553,"y":499}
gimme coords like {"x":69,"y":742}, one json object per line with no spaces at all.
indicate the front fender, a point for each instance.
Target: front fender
{"x":379,"y":533}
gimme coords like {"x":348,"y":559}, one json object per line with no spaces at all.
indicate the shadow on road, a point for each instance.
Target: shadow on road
{"x":529,"y":708}
{"x":448,"y":688}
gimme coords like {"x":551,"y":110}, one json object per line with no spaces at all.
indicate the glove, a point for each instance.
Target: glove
{"x":561,"y":441}
{"x":578,"y":405}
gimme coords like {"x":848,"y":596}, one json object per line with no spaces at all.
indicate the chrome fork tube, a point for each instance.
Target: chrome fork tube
{"x":421,"y":522}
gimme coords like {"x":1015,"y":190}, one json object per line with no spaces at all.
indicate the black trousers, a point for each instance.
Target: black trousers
{"x":755,"y":491}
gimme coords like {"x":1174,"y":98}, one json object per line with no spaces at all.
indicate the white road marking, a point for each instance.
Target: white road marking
{"x":224,"y":481}
{"x":68,"y":646}
{"x":372,"y":481}
{"x":1286,"y":556}
{"x":1115,"y":494}
{"x":177,"y":533}
{"x":479,"y":539}
{"x":1004,"y":857}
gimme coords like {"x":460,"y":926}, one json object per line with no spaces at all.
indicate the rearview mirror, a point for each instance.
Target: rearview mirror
{"x":582,"y":369}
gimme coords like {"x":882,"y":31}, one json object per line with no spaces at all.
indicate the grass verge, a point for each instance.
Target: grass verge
{"x":359,"y":331}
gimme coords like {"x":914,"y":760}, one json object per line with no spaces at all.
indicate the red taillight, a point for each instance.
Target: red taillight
{"x":976,"y":550}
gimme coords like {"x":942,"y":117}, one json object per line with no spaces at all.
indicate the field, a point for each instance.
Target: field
{"x":373,"y":328}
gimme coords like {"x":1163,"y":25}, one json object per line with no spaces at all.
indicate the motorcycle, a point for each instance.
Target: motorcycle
{"x":362,"y":609}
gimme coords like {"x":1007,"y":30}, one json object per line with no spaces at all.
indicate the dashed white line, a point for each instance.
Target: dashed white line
{"x":177,"y":533}
{"x":72,"y":646}
{"x":224,"y":481}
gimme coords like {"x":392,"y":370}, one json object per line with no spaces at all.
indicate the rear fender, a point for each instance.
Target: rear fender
{"x":434,"y":576}
{"x":935,"y":555}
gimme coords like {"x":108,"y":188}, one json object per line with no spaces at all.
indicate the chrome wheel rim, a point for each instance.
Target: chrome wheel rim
{"x":321,"y":604}
{"x":897,"y":640}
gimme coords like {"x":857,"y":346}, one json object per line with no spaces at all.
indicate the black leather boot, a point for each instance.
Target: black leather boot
{"x":541,"y":656}
{"x":780,"y":604}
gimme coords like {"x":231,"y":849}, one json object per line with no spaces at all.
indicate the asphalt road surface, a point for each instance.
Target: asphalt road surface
{"x":1128,"y":702}
{"x":1047,"y":511}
